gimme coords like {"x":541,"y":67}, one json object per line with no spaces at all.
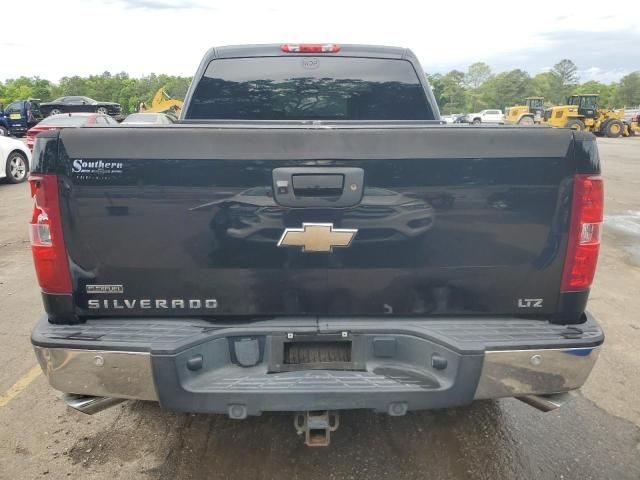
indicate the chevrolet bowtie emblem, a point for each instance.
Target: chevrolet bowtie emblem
{"x":317,"y":237}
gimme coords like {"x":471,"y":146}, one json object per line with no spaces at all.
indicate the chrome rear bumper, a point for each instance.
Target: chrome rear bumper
{"x":514,"y":373}
{"x":394,"y":366}
{"x":98,"y":372}
{"x":505,"y":373}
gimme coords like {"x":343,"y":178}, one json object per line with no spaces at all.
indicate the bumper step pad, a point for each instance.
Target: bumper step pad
{"x":335,"y":381}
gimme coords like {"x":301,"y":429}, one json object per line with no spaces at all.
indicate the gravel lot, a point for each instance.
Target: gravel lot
{"x":595,"y":437}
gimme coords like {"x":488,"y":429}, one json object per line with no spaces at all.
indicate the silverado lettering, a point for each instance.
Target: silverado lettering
{"x":209,"y":303}
{"x":363,"y":253}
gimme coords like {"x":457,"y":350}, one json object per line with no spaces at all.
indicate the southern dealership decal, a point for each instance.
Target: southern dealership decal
{"x":96,"y":169}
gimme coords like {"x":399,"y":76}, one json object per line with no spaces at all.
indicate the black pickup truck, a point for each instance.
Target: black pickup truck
{"x":310,"y":237}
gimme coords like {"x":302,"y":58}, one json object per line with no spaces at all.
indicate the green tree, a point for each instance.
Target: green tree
{"x":435,"y":80}
{"x":15,"y":89}
{"x":628,"y":92}
{"x":545,"y":85}
{"x":73,"y":86}
{"x":454,"y":94}
{"x":476,"y":75}
{"x":506,"y":89}
{"x":565,"y":74}
{"x":41,"y":88}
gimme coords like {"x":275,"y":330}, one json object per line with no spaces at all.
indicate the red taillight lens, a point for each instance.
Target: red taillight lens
{"x":310,"y":48}
{"x":584,"y":233}
{"x":47,"y":242}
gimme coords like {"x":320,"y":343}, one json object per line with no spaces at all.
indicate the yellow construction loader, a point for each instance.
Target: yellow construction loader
{"x":527,"y":114}
{"x":581,"y":112}
{"x":634,"y":125}
{"x":163,"y":103}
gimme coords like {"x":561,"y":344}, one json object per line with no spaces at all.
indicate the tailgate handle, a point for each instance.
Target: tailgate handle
{"x":318,"y":186}
{"x":322,"y":185}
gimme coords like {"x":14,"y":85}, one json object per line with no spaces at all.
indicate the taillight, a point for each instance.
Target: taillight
{"x":47,"y":242}
{"x":310,"y":48}
{"x":584,"y":233}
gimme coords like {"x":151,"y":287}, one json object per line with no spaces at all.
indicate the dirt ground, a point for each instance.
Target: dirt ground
{"x":595,"y":437}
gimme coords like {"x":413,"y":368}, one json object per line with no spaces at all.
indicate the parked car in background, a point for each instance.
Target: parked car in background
{"x":486,"y":116}
{"x":453,"y":117}
{"x":630,"y":113}
{"x":634,"y":126}
{"x":15,"y":159}
{"x":460,"y":118}
{"x":148,"y":119}
{"x":66,"y":120}
{"x":75,"y":104}
{"x":18,"y":117}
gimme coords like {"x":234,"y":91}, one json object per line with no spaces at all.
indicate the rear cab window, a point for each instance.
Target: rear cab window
{"x":33,"y":107}
{"x":309,"y":88}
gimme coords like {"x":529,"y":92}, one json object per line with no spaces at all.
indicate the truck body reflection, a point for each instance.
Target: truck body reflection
{"x":383,"y":215}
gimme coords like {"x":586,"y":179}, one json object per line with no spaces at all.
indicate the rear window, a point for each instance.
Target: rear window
{"x":65,"y":121}
{"x":309,"y":88}
{"x":33,"y":107}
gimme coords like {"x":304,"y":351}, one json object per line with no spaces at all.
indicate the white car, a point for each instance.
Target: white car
{"x":148,"y":118}
{"x":451,"y":118}
{"x":15,"y":159}
{"x":486,"y":116}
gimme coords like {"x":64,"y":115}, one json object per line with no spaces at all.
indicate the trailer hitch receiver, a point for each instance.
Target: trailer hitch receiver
{"x":316,"y":426}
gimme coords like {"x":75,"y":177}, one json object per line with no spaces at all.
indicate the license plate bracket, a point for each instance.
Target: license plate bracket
{"x":316,"y":352}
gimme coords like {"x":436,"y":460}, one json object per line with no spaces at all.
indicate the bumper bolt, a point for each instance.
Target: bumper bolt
{"x":398,"y":409}
{"x":237,"y":412}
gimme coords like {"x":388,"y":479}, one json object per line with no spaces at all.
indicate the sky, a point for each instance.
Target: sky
{"x":60,"y":38}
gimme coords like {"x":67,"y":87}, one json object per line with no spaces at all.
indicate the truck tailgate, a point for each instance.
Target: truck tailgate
{"x":191,"y":220}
